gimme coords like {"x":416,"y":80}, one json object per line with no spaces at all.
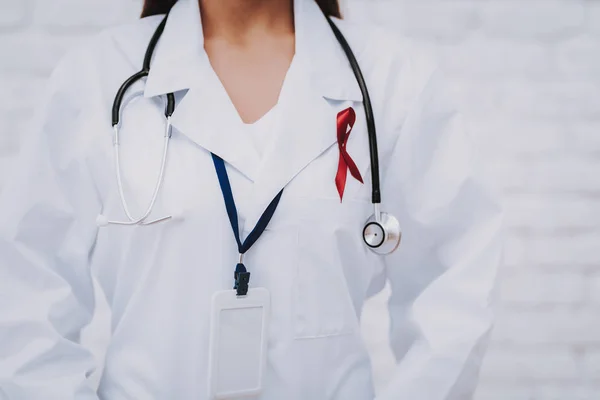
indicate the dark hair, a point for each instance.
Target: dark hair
{"x":155,"y":7}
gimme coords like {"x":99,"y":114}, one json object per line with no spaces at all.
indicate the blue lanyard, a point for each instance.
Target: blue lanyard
{"x":241,"y":275}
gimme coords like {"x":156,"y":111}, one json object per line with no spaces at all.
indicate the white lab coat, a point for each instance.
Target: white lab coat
{"x":159,"y":279}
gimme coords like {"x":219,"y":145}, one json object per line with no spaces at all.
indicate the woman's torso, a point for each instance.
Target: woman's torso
{"x":159,"y":279}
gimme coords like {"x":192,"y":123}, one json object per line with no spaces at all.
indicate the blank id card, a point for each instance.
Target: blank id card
{"x":237,"y":355}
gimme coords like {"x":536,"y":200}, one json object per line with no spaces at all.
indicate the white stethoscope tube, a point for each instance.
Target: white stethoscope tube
{"x":161,"y":176}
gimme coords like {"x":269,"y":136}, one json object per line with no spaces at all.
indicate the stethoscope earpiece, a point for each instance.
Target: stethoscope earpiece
{"x":382,"y":233}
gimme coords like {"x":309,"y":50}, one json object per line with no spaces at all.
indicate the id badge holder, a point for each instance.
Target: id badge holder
{"x":238,"y":343}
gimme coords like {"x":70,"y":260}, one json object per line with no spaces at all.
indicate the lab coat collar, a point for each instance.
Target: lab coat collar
{"x":180,"y":59}
{"x":305,"y":129}
{"x":306,"y":125}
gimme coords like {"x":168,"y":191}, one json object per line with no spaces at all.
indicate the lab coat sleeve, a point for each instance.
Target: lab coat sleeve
{"x":47,"y":233}
{"x":443,"y":275}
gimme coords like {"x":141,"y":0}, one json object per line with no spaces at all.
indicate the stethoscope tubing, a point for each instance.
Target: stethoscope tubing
{"x":116,"y":109}
{"x":161,"y":175}
{"x":116,"y":116}
{"x":383,"y":222}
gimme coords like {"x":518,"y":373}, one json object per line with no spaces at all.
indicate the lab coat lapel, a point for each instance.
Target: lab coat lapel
{"x":305,"y":129}
{"x":205,"y":114}
{"x":179,"y":56}
{"x":318,"y":86}
{"x":207,"y":117}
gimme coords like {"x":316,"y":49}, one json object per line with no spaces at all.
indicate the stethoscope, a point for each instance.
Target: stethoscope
{"x":381,"y":232}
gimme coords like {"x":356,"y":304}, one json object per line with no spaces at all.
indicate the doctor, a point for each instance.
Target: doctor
{"x":262,"y":98}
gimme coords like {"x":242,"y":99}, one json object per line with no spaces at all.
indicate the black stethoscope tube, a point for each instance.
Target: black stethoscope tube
{"x":376,"y":192}
{"x":170,"y":108}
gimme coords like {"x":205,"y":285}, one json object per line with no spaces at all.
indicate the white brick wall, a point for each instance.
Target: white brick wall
{"x":528,"y":75}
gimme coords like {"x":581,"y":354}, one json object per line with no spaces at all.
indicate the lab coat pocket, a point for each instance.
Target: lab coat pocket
{"x":329,"y":235}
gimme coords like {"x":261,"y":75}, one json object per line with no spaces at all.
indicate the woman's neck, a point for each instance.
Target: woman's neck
{"x":238,"y":21}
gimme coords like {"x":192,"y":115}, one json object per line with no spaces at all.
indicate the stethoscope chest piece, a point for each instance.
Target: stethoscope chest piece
{"x":382,"y":234}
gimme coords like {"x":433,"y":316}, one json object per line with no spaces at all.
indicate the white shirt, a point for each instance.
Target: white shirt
{"x":261,"y":132}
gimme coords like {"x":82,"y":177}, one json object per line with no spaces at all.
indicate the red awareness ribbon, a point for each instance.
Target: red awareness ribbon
{"x":345,"y":122}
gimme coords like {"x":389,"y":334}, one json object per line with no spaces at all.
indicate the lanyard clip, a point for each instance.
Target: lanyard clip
{"x":242,"y":278}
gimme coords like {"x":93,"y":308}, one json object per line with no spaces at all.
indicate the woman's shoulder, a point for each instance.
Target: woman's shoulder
{"x":110,"y":53}
{"x":396,"y":69}
{"x":86,"y":79}
{"x":131,"y":39}
{"x":385,"y":52}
